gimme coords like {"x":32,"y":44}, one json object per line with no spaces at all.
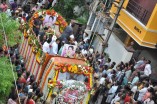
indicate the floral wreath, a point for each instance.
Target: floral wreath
{"x":72,"y":93}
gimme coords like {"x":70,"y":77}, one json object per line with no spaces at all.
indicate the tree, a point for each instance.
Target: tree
{"x":66,"y":8}
{"x":6,"y":77}
{"x":11,"y":30}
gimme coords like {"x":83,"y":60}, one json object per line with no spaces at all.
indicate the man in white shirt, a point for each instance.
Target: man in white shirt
{"x":54,"y":47}
{"x":147,"y":70}
{"x":46,"y":46}
{"x":111,"y":93}
{"x":139,"y":63}
{"x":85,"y":37}
{"x":142,"y":92}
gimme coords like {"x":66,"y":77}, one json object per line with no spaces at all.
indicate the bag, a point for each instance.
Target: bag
{"x":136,"y":95}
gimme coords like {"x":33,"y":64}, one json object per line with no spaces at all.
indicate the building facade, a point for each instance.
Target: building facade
{"x":138,"y":19}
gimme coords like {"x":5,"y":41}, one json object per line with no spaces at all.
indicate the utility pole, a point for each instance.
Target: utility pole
{"x":119,"y":7}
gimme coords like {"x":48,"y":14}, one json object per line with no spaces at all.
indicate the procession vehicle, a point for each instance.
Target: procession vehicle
{"x":70,"y":78}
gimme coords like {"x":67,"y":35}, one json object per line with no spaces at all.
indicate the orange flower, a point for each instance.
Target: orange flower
{"x":36,"y":15}
{"x":53,"y":12}
{"x":64,"y":69}
{"x":64,"y":23}
{"x":48,"y":12}
{"x":60,"y":18}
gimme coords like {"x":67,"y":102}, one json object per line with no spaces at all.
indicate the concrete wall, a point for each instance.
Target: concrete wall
{"x":115,"y":49}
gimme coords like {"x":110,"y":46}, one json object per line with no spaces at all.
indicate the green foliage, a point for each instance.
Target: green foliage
{"x":65,"y":8}
{"x":11,"y":30}
{"x":83,"y":19}
{"x":6,"y":77}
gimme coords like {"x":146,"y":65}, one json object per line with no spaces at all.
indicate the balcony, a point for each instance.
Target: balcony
{"x":139,"y":22}
{"x":138,"y":11}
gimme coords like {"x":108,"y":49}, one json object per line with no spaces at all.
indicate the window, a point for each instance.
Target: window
{"x":141,"y":9}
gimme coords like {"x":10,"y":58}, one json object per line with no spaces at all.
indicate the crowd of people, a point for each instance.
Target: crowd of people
{"x":114,"y":83}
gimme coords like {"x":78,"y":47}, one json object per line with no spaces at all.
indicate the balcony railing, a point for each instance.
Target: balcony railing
{"x":138,"y":11}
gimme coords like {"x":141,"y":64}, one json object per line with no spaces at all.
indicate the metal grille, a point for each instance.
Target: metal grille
{"x":137,"y":10}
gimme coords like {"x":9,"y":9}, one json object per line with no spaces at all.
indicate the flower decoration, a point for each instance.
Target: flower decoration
{"x":48,"y":12}
{"x":73,"y":92}
{"x":53,"y":12}
{"x":77,"y":69}
{"x":60,"y":18}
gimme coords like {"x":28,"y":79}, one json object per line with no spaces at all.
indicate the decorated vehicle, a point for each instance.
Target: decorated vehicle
{"x":70,"y":78}
{"x":69,"y":72}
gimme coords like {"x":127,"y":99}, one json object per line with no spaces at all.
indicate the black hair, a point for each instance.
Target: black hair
{"x":24,"y":14}
{"x":72,"y":25}
{"x":149,"y":62}
{"x":49,"y":40}
{"x":17,"y":56}
{"x":86,"y":79}
{"x":22,"y":65}
{"x":71,"y":47}
{"x":27,"y":74}
{"x":58,"y":40}
{"x":30,"y":94}
{"x":112,"y":66}
{"x":114,"y":63}
{"x":37,"y":91}
{"x":40,"y":94}
{"x":109,"y":60}
{"x":14,"y":97}
{"x":51,"y":17}
{"x":35,"y":87}
{"x":147,"y":85}
{"x":130,"y":93}
{"x":19,"y":86}
{"x":40,"y":17}
{"x":86,"y":34}
{"x":19,"y":74}
{"x":23,"y":69}
{"x":1,"y":50}
{"x":105,"y":66}
{"x":17,"y":62}
{"x":11,"y":53}
{"x":45,"y":28}
{"x":20,"y":15}
{"x":5,"y":52}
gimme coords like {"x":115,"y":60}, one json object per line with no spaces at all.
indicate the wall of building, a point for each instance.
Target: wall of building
{"x":115,"y":49}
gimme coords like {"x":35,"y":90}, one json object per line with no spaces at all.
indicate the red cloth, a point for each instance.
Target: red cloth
{"x":4,"y":7}
{"x":30,"y":102}
{"x":24,"y":18}
{"x":127,"y":99}
{"x":22,"y":80}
